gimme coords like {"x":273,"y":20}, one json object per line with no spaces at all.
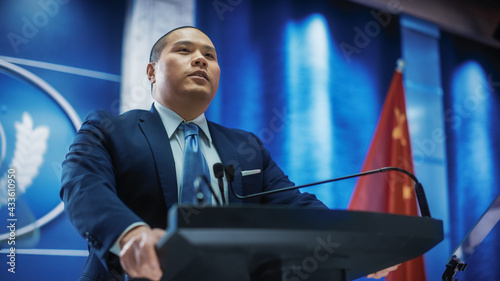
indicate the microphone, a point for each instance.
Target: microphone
{"x":199,"y":193}
{"x":219,"y":174}
{"x":229,"y":169}
{"x":419,"y":190}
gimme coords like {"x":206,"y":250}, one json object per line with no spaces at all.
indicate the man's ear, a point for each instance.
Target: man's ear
{"x":150,"y":71}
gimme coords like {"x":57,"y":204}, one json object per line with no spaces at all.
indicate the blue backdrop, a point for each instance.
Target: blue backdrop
{"x":471,"y":84}
{"x":286,"y":77}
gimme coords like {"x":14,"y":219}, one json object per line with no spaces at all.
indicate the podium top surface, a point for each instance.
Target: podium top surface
{"x":245,"y":238}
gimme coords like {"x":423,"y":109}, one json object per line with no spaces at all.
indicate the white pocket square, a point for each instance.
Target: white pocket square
{"x":250,"y":172}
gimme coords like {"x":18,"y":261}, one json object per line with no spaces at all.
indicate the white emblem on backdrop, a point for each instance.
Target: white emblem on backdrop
{"x":31,"y":145}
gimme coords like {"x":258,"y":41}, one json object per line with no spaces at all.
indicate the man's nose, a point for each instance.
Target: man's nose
{"x":200,"y":61}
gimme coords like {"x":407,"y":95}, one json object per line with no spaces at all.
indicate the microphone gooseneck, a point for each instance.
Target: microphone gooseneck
{"x":419,"y":190}
{"x":229,"y":169}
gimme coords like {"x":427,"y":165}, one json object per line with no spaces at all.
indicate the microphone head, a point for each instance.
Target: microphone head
{"x":230,"y":172}
{"x":218,"y":170}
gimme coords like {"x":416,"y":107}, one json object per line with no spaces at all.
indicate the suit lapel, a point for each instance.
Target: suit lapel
{"x":228,"y":155}
{"x":154,"y":131}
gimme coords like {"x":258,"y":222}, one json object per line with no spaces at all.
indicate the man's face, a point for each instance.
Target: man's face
{"x":187,"y":70}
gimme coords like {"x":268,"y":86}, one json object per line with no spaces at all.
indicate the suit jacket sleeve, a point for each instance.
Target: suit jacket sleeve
{"x":89,"y":189}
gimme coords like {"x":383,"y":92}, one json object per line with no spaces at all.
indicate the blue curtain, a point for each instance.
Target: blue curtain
{"x":308,"y":78}
{"x":471,"y":84}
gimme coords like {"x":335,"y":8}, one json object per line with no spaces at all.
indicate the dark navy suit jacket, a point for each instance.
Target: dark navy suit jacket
{"x":120,"y":170}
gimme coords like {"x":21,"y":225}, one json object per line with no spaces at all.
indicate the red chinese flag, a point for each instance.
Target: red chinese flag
{"x":391,"y":192}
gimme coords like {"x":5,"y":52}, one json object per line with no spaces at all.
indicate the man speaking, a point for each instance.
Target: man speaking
{"x":123,"y":173}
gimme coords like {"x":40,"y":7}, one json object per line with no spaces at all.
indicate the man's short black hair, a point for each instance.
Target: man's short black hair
{"x":155,"y":53}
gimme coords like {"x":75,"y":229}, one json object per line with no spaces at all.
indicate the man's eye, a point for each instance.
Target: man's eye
{"x":210,"y":56}
{"x":185,"y":50}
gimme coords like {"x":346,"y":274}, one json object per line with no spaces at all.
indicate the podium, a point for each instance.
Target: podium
{"x":277,"y":243}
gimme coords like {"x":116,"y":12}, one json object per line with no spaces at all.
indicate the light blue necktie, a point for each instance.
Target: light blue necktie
{"x":194,"y":166}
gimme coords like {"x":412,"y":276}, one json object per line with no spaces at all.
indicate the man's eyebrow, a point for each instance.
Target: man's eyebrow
{"x":190,"y":43}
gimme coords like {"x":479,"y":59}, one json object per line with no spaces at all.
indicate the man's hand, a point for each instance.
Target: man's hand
{"x":138,"y":253}
{"x":383,"y":273}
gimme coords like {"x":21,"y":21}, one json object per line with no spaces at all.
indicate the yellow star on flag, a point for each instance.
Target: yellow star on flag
{"x":397,"y":132}
{"x":407,"y":192}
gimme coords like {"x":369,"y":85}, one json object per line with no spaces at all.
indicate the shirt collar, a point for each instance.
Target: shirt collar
{"x":172,"y":120}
